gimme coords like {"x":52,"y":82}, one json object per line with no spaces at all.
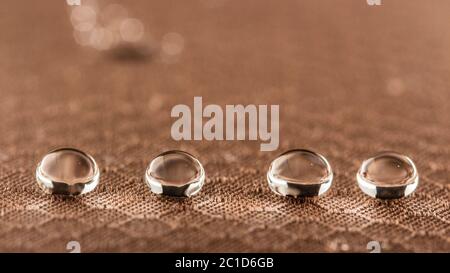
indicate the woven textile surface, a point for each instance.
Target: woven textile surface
{"x":351,"y":80}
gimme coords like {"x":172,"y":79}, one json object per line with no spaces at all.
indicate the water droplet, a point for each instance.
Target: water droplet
{"x":67,"y":171}
{"x":388,"y":175}
{"x":175,"y":173}
{"x":300,"y":173}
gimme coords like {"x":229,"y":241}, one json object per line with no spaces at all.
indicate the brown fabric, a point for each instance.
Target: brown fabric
{"x":350,"y":80}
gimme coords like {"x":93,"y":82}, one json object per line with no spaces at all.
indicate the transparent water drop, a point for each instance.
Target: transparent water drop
{"x":388,"y":175}
{"x":67,"y":171}
{"x":300,"y":173}
{"x":175,"y":173}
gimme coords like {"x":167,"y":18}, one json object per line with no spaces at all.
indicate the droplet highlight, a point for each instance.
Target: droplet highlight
{"x":388,"y":175}
{"x":67,"y":171}
{"x":300,"y":173}
{"x":175,"y":173}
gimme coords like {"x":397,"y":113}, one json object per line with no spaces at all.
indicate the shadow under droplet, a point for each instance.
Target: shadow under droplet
{"x":300,"y":200}
{"x":175,"y":199}
{"x":130,"y":53}
{"x":65,"y":198}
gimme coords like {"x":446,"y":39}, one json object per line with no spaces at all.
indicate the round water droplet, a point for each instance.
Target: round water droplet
{"x":388,"y":175}
{"x":175,"y":173}
{"x":300,"y":173}
{"x":67,"y":171}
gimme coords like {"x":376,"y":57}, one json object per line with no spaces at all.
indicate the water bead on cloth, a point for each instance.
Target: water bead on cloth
{"x":300,"y":173}
{"x":388,"y":175}
{"x":67,"y":171}
{"x":175,"y":173}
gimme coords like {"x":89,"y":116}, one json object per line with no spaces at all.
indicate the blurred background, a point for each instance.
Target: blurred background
{"x":351,"y":80}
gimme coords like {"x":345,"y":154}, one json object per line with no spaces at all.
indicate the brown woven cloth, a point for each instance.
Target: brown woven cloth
{"x":351,"y":80}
